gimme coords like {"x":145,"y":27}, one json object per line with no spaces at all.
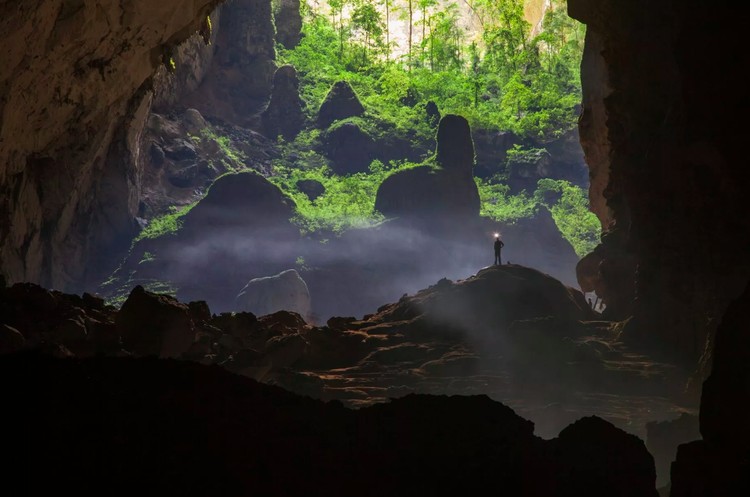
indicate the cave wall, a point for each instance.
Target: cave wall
{"x":668,"y":162}
{"x":74,"y":73}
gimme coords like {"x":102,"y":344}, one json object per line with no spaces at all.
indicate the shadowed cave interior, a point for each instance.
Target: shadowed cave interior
{"x":246,"y":248}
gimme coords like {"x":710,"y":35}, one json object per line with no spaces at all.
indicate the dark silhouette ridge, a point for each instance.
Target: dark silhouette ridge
{"x":178,"y":428}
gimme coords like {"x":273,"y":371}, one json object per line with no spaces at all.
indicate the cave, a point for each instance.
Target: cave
{"x":455,"y":377}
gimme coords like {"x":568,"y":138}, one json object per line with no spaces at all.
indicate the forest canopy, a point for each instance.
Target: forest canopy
{"x":482,"y":59}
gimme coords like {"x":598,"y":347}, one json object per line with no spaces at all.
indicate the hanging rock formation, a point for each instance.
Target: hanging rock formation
{"x":73,"y":81}
{"x":667,"y":161}
{"x":239,"y":82}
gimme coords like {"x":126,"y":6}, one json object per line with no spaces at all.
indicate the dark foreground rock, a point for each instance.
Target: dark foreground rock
{"x":719,"y":464}
{"x":178,"y":428}
{"x":510,"y":332}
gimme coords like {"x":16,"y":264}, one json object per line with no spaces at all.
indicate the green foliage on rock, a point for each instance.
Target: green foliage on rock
{"x":348,"y":201}
{"x":569,"y":206}
{"x":167,"y":224}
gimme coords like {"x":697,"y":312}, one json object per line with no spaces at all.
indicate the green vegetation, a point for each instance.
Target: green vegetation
{"x":348,"y":201}
{"x":569,"y":206}
{"x":499,"y":77}
{"x":168,"y":224}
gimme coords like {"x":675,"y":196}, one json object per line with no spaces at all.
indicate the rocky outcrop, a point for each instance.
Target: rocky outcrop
{"x":446,"y":191}
{"x":720,"y":463}
{"x":288,"y":21}
{"x":284,"y":291}
{"x":654,"y":140}
{"x":349,"y":148}
{"x":188,"y":65}
{"x":340,"y":103}
{"x":240,"y":228}
{"x":152,"y":324}
{"x":284,"y":115}
{"x":243,"y":201}
{"x":74,"y":81}
{"x":608,"y":270}
{"x":239,"y":81}
{"x":198,"y":433}
{"x":310,"y":187}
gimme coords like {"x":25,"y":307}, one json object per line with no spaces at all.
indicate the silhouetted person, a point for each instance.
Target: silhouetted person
{"x":498,"y":247}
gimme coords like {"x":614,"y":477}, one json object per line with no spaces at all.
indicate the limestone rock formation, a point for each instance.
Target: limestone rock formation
{"x":74,"y":80}
{"x":536,"y":241}
{"x":447,"y":191}
{"x":152,"y":324}
{"x":349,"y":148}
{"x":240,"y":201}
{"x":340,"y":103}
{"x":288,"y":21}
{"x":492,"y":150}
{"x":310,"y":187}
{"x":240,"y":228}
{"x":653,"y":140}
{"x":285,"y":291}
{"x":188,"y":66}
{"x":284,"y":115}
{"x":32,"y":317}
{"x":433,"y":113}
{"x":608,"y":271}
{"x":239,"y":81}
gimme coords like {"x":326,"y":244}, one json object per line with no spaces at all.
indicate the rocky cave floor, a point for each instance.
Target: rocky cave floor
{"x":509,"y":332}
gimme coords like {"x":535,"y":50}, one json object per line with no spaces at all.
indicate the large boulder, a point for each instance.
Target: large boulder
{"x":446,"y":191}
{"x":349,"y":148}
{"x":284,"y":115}
{"x":492,"y":300}
{"x":340,"y":103}
{"x":241,"y":201}
{"x":285,"y":291}
{"x":154,"y":324}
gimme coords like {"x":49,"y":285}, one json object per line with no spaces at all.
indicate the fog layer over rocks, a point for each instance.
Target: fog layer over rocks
{"x":243,"y":230}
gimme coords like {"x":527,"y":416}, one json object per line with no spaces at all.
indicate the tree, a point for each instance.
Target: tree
{"x":367,"y":19}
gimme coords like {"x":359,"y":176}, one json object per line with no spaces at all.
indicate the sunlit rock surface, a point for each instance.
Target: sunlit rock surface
{"x":284,"y":291}
{"x":73,"y":81}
